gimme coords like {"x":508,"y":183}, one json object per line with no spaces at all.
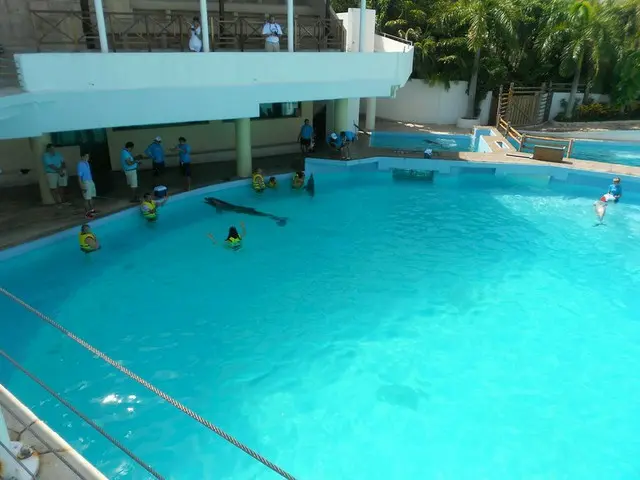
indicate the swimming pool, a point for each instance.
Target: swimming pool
{"x":418,"y":142}
{"x":476,"y":327}
{"x":623,"y":153}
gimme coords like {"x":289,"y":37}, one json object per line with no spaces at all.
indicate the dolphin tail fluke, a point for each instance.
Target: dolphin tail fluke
{"x":281,"y":221}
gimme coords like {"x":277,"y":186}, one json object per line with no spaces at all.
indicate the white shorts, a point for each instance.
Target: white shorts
{"x":132,"y":178}
{"x":56,"y":180}
{"x":88,"y":190}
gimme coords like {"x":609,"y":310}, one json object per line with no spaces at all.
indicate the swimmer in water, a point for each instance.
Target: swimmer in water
{"x":234,"y":239}
{"x":600,"y":208}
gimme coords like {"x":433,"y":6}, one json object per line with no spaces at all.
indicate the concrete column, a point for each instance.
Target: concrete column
{"x":341,"y":115}
{"x":38,"y":147}
{"x":371,"y":114}
{"x":363,"y":25}
{"x":204,"y":24}
{"x":102,"y":29}
{"x":290,"y":27}
{"x":243,"y":146}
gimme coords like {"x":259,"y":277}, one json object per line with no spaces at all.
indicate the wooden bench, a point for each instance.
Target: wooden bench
{"x":548,"y":154}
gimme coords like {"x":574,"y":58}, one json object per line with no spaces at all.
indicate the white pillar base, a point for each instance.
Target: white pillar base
{"x":341,"y":115}
{"x":243,"y":147}
{"x":370,"y":123}
{"x":38,"y":146}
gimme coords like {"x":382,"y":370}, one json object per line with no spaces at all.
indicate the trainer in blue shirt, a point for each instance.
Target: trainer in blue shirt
{"x":305,"y":136}
{"x":130,"y":169}
{"x":184,"y":153}
{"x":155,"y":152}
{"x":88,"y":188}
{"x":615,"y":189}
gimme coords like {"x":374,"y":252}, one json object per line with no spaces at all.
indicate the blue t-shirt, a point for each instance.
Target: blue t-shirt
{"x":52,"y":160}
{"x":84,"y":171}
{"x":350,"y":136}
{"x":306,"y":132}
{"x":156,"y":152}
{"x":333,"y":140}
{"x":124,"y":156}
{"x":615,"y":190}
{"x":184,"y":152}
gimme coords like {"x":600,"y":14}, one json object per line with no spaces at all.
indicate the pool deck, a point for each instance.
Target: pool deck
{"x":24,"y":218}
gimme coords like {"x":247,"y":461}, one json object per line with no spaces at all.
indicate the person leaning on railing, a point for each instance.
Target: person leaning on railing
{"x":271,"y":33}
{"x":195,"y":41}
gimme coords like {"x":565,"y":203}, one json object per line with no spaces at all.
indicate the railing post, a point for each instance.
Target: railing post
{"x":102,"y":28}
{"x":499,"y":103}
{"x":363,"y":25}
{"x":204,"y":25}
{"x":290,"y":28}
{"x":570,"y":148}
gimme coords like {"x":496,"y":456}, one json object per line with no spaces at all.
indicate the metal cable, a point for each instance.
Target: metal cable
{"x":42,"y":440}
{"x":99,"y":429}
{"x":153,"y":389}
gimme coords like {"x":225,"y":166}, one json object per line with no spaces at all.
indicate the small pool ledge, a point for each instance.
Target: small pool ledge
{"x":25,"y":427}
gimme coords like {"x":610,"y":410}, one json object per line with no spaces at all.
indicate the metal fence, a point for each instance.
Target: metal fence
{"x":162,"y":31}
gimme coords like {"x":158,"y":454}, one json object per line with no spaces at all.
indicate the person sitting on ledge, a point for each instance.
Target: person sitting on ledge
{"x":88,"y":240}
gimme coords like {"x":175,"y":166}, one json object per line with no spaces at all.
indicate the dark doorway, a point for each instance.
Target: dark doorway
{"x":493,"y":109}
{"x":320,"y":125}
{"x":88,"y":28}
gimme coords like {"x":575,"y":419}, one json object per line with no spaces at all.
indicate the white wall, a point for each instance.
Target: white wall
{"x":556,"y":101}
{"x":419,"y":102}
{"x":90,"y":90}
{"x":351,"y":22}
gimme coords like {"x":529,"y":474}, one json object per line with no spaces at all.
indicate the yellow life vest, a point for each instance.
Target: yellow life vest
{"x":234,"y":243}
{"x":257,"y":182}
{"x":148,"y":210}
{"x":84,"y":246}
{"x":297,"y":181}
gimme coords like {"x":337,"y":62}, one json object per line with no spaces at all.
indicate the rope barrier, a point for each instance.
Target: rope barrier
{"x":99,"y":429}
{"x":148,"y":386}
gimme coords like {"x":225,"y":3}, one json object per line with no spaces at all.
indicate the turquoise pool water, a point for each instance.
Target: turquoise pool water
{"x":472,"y":328}
{"x":622,"y":153}
{"x":418,"y":142}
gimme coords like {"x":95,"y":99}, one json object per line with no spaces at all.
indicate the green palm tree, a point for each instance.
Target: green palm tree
{"x":489,"y":23}
{"x":579,"y":31}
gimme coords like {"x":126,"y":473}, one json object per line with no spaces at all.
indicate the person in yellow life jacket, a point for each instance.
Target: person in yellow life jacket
{"x":272,"y":183}
{"x":88,"y":240}
{"x":149,"y":207}
{"x":234,"y":239}
{"x":298,"y":180}
{"x":257,"y":181}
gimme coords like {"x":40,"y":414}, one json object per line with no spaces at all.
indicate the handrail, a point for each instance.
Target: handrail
{"x":162,"y":31}
{"x":83,"y":417}
{"x":393,"y":37}
{"x":141,"y":381}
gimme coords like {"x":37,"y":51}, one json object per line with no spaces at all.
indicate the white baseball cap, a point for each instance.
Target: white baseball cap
{"x":158,"y":139}
{"x":334,"y":136}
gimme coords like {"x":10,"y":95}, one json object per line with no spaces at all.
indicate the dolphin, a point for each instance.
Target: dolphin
{"x":221,"y":206}
{"x":311,"y":186}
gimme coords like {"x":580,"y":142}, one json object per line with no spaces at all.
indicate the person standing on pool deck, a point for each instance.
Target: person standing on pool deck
{"x":87,"y":187}
{"x":184,"y":154}
{"x":155,"y":151}
{"x":346,"y":139}
{"x":56,"y":172}
{"x":305,"y":136}
{"x":130,"y":168}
